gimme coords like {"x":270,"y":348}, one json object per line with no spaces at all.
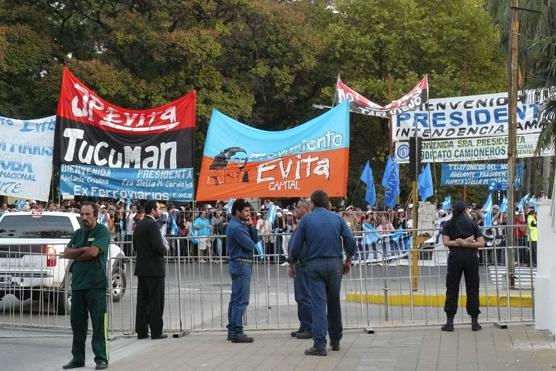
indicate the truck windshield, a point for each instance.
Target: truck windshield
{"x":35,"y":226}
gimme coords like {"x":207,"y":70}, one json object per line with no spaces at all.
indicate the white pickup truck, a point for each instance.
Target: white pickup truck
{"x":30,"y":264}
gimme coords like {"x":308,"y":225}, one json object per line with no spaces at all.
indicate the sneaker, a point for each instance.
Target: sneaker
{"x":315,"y":352}
{"x":284,"y":264}
{"x":304,"y":335}
{"x":202,"y":261}
{"x":242,"y":339}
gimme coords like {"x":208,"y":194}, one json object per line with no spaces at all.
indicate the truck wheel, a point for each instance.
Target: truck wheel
{"x":62,"y":297}
{"x":118,"y":284}
{"x":62,"y":301}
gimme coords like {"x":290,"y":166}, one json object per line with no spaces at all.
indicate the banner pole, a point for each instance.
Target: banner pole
{"x":355,"y":193}
{"x":465,"y":92}
{"x":389,"y":85}
{"x":415,"y":245}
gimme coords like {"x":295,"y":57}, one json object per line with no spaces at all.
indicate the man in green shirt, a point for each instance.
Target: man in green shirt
{"x":88,"y":248}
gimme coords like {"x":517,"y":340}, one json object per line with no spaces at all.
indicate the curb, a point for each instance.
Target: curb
{"x":424,"y":300}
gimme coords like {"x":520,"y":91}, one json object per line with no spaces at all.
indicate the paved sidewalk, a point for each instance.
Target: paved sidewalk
{"x":519,"y":347}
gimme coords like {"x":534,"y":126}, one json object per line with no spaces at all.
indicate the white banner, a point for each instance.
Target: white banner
{"x":471,"y":116}
{"x":26,"y":157}
{"x":470,"y":149}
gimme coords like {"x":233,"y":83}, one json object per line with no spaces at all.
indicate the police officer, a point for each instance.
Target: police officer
{"x":323,"y":233}
{"x":88,"y":248}
{"x":463,"y":237}
{"x":300,"y":287}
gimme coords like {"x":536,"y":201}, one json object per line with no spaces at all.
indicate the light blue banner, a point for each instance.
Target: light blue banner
{"x":26,"y":157}
{"x":323,"y":133}
{"x":144,"y":184}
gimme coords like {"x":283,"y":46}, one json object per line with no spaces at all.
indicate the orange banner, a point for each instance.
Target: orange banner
{"x":292,"y":176}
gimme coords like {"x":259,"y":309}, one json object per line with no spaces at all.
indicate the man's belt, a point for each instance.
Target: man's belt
{"x":243,"y":260}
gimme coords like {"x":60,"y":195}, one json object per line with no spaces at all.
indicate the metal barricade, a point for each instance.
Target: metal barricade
{"x":377,"y":292}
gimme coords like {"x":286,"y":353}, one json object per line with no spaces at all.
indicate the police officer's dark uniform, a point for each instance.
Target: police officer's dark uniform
{"x":88,"y":284}
{"x":462,"y":236}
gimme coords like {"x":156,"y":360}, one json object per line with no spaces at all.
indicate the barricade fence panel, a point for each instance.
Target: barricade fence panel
{"x":390,"y":284}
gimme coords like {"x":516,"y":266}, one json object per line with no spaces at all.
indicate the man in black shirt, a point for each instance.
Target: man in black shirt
{"x":463,"y":237}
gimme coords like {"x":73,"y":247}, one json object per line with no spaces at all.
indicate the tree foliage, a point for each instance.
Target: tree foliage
{"x":263,"y":62}
{"x":537,"y":51}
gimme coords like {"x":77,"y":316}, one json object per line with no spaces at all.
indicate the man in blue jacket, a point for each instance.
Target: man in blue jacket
{"x":325,"y":235}
{"x":240,"y":248}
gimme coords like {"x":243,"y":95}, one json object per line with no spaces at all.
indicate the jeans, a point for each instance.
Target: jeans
{"x":218,"y":247}
{"x":324,"y":282}
{"x":240,"y":273}
{"x":302,"y":298}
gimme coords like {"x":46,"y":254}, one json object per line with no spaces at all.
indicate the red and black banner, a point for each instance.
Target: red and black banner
{"x":359,"y":104}
{"x":91,"y":131}
{"x":108,"y":151}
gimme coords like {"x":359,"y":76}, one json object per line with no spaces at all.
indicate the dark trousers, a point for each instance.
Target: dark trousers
{"x":534,"y":252}
{"x":302,"y":298}
{"x":128,"y":245}
{"x":240,"y":272}
{"x":523,"y":255}
{"x":324,"y":283}
{"x":83,"y":303}
{"x":462,"y":260}
{"x":150,"y":306}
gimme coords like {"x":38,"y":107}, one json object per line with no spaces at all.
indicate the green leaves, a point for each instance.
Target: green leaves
{"x":264,"y":62}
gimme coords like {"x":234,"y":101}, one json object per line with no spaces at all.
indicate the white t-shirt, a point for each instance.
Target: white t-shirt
{"x":129,"y":223}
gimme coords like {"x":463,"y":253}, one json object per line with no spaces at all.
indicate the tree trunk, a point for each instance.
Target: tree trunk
{"x":546,"y":172}
{"x":528,"y":172}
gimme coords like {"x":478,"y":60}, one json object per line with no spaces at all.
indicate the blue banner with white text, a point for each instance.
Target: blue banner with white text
{"x":495,"y":175}
{"x":144,"y":184}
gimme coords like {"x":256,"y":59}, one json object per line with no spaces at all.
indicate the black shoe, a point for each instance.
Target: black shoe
{"x":72,"y":364}
{"x":101,"y":365}
{"x":304,"y":335}
{"x":294,"y":333}
{"x":449,"y":327}
{"x":161,"y":336}
{"x":315,"y":352}
{"x":242,"y":339}
{"x":335,"y":345}
{"x":475,"y":324}
{"x":140,"y":337}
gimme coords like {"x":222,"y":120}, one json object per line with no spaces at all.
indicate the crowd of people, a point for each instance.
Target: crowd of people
{"x":206,"y":226}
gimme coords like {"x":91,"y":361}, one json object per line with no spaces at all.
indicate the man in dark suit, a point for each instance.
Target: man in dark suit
{"x":149,"y":245}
